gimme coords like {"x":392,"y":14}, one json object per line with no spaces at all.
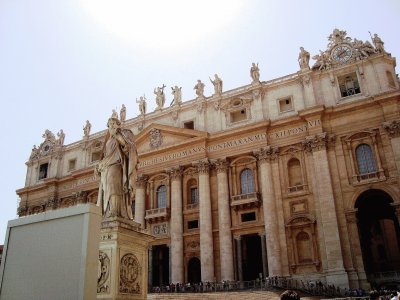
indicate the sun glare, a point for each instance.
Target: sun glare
{"x":164,"y":25}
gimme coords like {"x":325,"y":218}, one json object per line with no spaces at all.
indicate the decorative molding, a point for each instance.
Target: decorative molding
{"x":318,"y":142}
{"x":267,"y":154}
{"x":141,"y":181}
{"x":221,"y":165}
{"x":203,"y":166}
{"x":392,"y":128}
{"x":175,"y":173}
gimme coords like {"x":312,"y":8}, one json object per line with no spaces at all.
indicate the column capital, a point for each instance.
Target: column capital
{"x":351,"y":216}
{"x":267,"y":154}
{"x":396,"y":207}
{"x":203,"y":166}
{"x":175,"y":173}
{"x":392,"y":128}
{"x":141,"y":180}
{"x":238,"y":237}
{"x":261,"y":234}
{"x":318,"y":142}
{"x":221,"y":165}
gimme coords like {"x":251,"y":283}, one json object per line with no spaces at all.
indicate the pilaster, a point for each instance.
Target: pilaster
{"x":265,"y":156}
{"x":206,"y":236}
{"x":176,"y":258}
{"x":140,"y":197}
{"x":224,"y":221}
{"x":317,"y":145}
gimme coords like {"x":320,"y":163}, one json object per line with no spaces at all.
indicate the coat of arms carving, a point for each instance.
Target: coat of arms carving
{"x":156,"y":138}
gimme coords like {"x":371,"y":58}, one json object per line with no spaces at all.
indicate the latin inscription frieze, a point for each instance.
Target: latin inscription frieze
{"x":260,"y":137}
{"x":295,"y":130}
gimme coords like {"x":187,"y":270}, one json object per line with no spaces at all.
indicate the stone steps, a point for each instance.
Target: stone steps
{"x":247,"y":295}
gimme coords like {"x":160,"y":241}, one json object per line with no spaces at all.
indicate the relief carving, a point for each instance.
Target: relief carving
{"x":103,"y":273}
{"x":267,"y":154}
{"x":156,"y":138}
{"x":392,"y":128}
{"x":129,"y":272}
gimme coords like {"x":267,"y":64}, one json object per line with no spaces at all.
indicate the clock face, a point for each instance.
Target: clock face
{"x":341,"y":53}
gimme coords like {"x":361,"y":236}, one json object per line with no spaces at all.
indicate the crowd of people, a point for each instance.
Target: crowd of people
{"x":317,"y":288}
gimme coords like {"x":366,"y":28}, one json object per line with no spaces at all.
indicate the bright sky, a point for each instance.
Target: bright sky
{"x":62,"y":62}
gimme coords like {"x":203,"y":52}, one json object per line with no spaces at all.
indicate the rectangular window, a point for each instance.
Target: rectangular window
{"x":238,"y":115}
{"x":188,"y":125}
{"x":247,"y":217}
{"x":72,"y":164}
{"x":193,"y":224}
{"x":96,"y":156}
{"x":349,"y":85}
{"x":285,"y":105}
{"x":43,"y":171}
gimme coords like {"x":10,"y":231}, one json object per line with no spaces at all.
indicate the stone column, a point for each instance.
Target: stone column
{"x":206,"y":235}
{"x":269,"y":208}
{"x":176,"y":233}
{"x":224,"y":222}
{"x":264,"y":254}
{"x":356,"y":252}
{"x":140,"y":199}
{"x":393,"y":130}
{"x":150,"y":279}
{"x":335,"y":273}
{"x":239,"y":257}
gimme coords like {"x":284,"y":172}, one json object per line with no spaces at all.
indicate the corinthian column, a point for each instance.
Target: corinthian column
{"x":269,"y":207}
{"x":328,"y":222}
{"x":224,"y":222}
{"x":206,"y":236}
{"x":176,"y":226}
{"x":140,"y":194}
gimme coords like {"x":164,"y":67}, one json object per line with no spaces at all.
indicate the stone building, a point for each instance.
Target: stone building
{"x":297,"y":176}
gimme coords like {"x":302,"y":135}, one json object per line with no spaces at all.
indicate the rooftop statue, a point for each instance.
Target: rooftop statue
{"x":217,"y":82}
{"x":255,"y":73}
{"x":199,"y":87}
{"x":61,"y":137}
{"x":304,"y":59}
{"x":142,"y":104}
{"x":117,"y":170}
{"x":378,"y":43}
{"x":122,"y":114}
{"x":177,"y":92}
{"x":160,"y":97}
{"x":87,"y":128}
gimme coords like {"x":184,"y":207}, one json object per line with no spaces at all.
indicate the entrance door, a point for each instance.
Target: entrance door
{"x":194,"y":270}
{"x":160,"y":265}
{"x":379,"y":232}
{"x":252,"y":257}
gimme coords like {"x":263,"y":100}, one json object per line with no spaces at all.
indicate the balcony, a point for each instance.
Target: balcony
{"x":157,"y":215}
{"x":192,"y":207}
{"x":368,"y":177}
{"x":245,"y":201}
{"x":297,"y":188}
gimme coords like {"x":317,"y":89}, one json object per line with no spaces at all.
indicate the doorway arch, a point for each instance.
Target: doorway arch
{"x":194,"y":270}
{"x":379,"y":232}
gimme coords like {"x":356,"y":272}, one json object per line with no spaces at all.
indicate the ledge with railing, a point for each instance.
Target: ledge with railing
{"x":245,"y":200}
{"x":157,"y":213}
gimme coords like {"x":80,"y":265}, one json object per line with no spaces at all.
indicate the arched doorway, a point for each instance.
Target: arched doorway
{"x":252,"y":257}
{"x":194,"y":270}
{"x":379,"y":232}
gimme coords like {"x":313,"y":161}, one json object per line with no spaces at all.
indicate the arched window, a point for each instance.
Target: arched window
{"x":294,"y":170}
{"x":304,"y":247}
{"x":247,"y":181}
{"x":161,"y":196}
{"x":365,"y":159}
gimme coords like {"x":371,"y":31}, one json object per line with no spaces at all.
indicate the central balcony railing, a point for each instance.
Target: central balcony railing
{"x":245,"y":200}
{"x":157,"y":214}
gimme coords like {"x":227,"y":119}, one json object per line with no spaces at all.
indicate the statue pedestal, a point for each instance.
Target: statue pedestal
{"x":123,"y":260}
